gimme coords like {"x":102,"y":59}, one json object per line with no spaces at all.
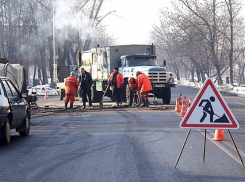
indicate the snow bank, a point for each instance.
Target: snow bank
{"x":42,"y":89}
{"x":224,"y":87}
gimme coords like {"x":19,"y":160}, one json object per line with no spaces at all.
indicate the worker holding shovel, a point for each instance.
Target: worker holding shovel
{"x":144,"y":85}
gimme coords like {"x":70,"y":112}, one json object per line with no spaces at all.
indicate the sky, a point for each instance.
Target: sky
{"x":133,"y":19}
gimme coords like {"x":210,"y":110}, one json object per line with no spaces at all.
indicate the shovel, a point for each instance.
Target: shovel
{"x":101,"y":103}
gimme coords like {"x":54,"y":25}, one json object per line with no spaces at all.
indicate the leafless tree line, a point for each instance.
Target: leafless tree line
{"x":26,"y":32}
{"x":205,"y":37}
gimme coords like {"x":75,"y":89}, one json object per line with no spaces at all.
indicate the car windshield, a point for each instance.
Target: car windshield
{"x":141,"y":61}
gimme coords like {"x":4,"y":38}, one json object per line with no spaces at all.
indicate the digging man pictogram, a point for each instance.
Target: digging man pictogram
{"x":207,"y":109}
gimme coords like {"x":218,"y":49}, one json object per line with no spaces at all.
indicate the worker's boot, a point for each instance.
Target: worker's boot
{"x":84,"y":105}
{"x":71,"y":105}
{"x":66,"y":105}
{"x":143,"y":103}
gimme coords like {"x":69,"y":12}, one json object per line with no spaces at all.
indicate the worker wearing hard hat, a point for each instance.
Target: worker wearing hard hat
{"x":71,"y":89}
{"x":144,"y":85}
{"x":116,"y":80}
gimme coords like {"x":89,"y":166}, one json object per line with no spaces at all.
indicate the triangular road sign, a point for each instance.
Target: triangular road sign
{"x":209,"y":110}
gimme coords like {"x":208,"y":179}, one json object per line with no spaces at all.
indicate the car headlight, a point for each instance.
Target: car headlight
{"x":171,"y":80}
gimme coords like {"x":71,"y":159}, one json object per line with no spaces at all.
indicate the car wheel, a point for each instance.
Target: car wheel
{"x":26,"y":127}
{"x":5,"y":133}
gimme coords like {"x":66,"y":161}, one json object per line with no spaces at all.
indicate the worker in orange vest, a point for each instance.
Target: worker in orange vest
{"x":71,"y":89}
{"x":145,"y":87}
{"x":116,"y":80}
{"x":133,"y":84}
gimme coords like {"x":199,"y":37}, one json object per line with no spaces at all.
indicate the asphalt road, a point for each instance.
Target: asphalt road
{"x":125,"y":144}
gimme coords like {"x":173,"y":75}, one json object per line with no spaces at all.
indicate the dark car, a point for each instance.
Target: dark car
{"x":14,"y":111}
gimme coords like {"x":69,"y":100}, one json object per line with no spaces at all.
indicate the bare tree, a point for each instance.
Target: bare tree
{"x":27,"y":37}
{"x":198,"y":30}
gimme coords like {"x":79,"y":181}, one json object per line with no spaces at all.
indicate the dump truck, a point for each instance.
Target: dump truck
{"x":101,"y":61}
{"x":15,"y":72}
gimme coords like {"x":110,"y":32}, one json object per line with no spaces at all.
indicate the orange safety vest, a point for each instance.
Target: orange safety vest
{"x":144,"y":83}
{"x":71,"y":85}
{"x":133,"y":84}
{"x":119,"y":79}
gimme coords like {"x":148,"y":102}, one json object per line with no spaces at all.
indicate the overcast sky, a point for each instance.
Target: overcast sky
{"x":133,"y":19}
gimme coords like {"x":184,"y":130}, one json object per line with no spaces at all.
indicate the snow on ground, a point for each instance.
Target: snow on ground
{"x":42,"y":89}
{"x":225,"y":87}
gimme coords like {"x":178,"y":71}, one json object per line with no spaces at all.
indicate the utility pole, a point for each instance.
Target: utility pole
{"x":55,"y":57}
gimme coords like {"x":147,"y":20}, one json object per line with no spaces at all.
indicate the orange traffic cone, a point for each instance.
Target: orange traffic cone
{"x":180,"y":99}
{"x":184,"y":101}
{"x":183,"y":110}
{"x":177,"y":106}
{"x":219,"y":135}
{"x":190,"y":102}
{"x":46,"y":95}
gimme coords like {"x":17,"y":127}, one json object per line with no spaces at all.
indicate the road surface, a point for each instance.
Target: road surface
{"x":125,"y":144}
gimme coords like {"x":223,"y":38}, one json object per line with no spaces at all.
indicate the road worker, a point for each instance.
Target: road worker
{"x":116,"y":80}
{"x":85,"y":81}
{"x":144,"y":85}
{"x":71,"y":89}
{"x":133,"y":84}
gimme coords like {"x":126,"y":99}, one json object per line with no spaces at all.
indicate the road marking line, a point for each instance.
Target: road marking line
{"x":232,"y":147}
{"x":227,"y":151}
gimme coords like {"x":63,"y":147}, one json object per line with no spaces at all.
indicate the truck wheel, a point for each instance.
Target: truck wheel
{"x":26,"y":127}
{"x":61,"y":95}
{"x":129,"y":96}
{"x":5,"y":133}
{"x":166,"y":97}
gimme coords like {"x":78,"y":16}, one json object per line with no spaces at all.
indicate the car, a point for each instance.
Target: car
{"x":14,"y":111}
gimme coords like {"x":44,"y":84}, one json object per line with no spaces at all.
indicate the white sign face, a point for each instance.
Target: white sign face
{"x":209,"y":110}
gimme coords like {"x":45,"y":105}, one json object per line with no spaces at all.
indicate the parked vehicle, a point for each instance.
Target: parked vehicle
{"x":14,"y":111}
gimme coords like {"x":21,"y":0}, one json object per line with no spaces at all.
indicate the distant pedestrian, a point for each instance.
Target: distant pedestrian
{"x":144,"y":85}
{"x":71,"y":89}
{"x":85,"y":81}
{"x":116,"y":80}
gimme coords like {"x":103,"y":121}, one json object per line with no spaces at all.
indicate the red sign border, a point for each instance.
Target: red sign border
{"x":234,"y":124}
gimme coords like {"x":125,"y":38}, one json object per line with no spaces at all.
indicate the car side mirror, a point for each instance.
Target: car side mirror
{"x":24,"y":95}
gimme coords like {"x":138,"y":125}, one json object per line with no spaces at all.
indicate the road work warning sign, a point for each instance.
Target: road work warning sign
{"x":209,"y":110}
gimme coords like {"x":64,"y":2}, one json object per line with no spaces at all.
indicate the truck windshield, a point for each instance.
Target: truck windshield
{"x":141,"y":61}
